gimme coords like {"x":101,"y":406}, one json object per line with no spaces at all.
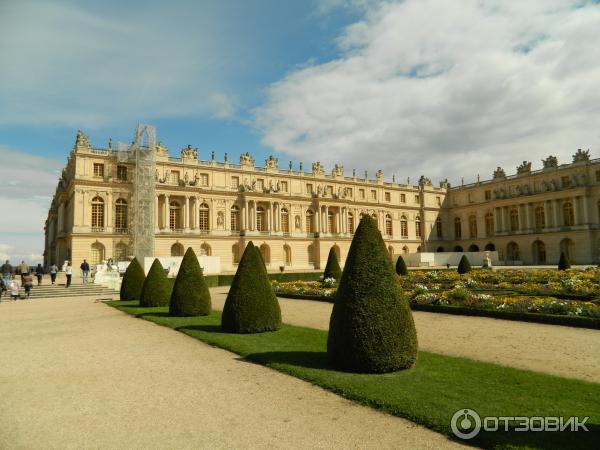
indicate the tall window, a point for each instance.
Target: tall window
{"x":330,"y":222}
{"x":540,"y":217}
{"x":235,"y":218}
{"x":350,"y":223}
{"x":514,"y":219}
{"x":285,"y":221}
{"x":121,"y":214}
{"x":120,"y":252}
{"x":203,"y":217}
{"x":388,"y":197}
{"x":403,"y":226}
{"x":309,"y":188}
{"x":235,"y":182}
{"x":287,"y":251}
{"x":568,"y":215}
{"x":260,"y":185}
{"x":402,"y":198}
{"x":362,"y":193}
{"x":174,"y":214}
{"x":97,"y":212}
{"x":438,"y":228}
{"x":284,"y":186}
{"x":457,"y":228}
{"x":261,"y":223}
{"x":489,"y":224}
{"x":309,"y":222}
{"x":175,"y":177}
{"x":472,"y":226}
{"x":388,"y":225}
{"x":373,"y":194}
{"x":99,"y":170}
{"x":122,"y":173}
{"x":203,"y":179}
{"x":418,"y":227}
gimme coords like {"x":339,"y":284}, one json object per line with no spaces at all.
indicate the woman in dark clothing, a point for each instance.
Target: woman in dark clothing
{"x":39,"y":273}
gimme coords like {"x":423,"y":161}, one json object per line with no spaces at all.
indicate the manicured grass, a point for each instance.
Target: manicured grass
{"x":428,"y":394}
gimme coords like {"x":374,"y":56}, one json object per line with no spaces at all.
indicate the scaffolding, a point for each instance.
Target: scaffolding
{"x":142,"y":153}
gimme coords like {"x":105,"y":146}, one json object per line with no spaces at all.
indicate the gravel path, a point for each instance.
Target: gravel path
{"x":79,"y":374}
{"x":554,"y":349}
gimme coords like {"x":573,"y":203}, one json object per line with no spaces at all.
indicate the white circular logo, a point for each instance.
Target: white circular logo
{"x":466,"y":423}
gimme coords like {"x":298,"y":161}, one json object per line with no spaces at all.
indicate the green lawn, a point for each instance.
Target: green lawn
{"x":428,"y":394}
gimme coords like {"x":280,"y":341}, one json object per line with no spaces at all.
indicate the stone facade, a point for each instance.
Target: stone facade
{"x":295,"y":217}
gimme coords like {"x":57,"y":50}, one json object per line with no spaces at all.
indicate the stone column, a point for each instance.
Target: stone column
{"x":255,"y":215}
{"x":523,"y":217}
{"x":556,"y":209}
{"x":186,"y":213}
{"x":271,"y":217}
{"x":166,"y":213}
{"x":575,"y":202}
{"x":586,"y":212}
{"x":109,"y":212}
{"x":326,"y":222}
{"x":156,"y":212}
{"x":318,"y":219}
{"x":197,"y":213}
{"x":498,"y":220}
{"x":245,"y":215}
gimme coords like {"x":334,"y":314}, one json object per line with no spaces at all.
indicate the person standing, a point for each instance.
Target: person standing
{"x":7,"y":270}
{"x":13,"y":287}
{"x":27,"y":283}
{"x":85,"y":270}
{"x":68,"y":273}
{"x":23,"y":269}
{"x":39,"y":273}
{"x":53,"y":272}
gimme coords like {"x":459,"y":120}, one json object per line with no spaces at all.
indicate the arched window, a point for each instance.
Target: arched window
{"x":418,"y":227}
{"x":403,"y":227}
{"x":568,"y":215}
{"x":489,"y":224}
{"x":457,"y":248}
{"x":540,"y":218}
{"x":568,"y":248}
{"x":235,"y":254}
{"x":472,"y":226}
{"x":457,"y":228}
{"x":514,"y":219}
{"x":265,"y":251}
{"x":512,"y":252}
{"x":97,"y":255}
{"x":174,"y":216}
{"x":177,"y":249}
{"x":205,"y":250}
{"x":438,"y":228}
{"x":405,"y":250}
{"x":120,"y":252}
{"x":235,"y":218}
{"x":287,"y":253}
{"x":490,"y":247}
{"x":311,"y":253}
{"x":285,"y":221}
{"x":538,"y":249}
{"x":120,"y":214}
{"x":330,"y":222}
{"x":350,"y":223}
{"x":440,"y":249}
{"x":261,"y":222}
{"x":97,"y":212}
{"x":203,"y":218}
{"x":388,"y":225}
{"x":473,"y":248}
{"x":310,"y":226}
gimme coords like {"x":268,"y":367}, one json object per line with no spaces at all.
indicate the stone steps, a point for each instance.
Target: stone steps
{"x":60,"y":291}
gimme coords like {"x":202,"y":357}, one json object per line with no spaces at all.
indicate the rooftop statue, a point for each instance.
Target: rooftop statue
{"x":161,"y":150}
{"x":82,"y":142}
{"x":317,"y":168}
{"x":524,"y":168}
{"x":424,"y":181}
{"x":271,"y":163}
{"x":581,"y":156}
{"x":550,"y":161}
{"x":338,"y":171}
{"x":379,"y":175}
{"x":499,"y":173}
{"x":189,"y":152}
{"x":246,"y":159}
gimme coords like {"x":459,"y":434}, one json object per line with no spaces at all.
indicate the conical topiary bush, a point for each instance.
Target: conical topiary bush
{"x":401,"y":268}
{"x":251,"y":305}
{"x":332,"y":269}
{"x":157,"y":289}
{"x":133,"y":282}
{"x":190,"y":296}
{"x":464,"y":266}
{"x":563,"y":262}
{"x":371,"y":329}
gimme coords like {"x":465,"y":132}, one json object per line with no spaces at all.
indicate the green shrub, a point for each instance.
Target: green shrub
{"x":401,"y":268}
{"x":563,"y":262}
{"x":251,"y":305}
{"x":332,"y":269}
{"x":371,"y":329}
{"x":133,"y":282}
{"x":464,"y":266}
{"x":190,"y":296}
{"x":157,"y":289}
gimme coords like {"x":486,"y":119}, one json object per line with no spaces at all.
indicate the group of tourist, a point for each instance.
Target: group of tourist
{"x":9,"y":282}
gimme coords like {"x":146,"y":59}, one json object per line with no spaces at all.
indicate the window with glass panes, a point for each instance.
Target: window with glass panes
{"x":121,"y":214}
{"x":203,"y":217}
{"x":235,"y":218}
{"x":97,"y":212}
{"x":122,"y":173}
{"x":99,"y":170}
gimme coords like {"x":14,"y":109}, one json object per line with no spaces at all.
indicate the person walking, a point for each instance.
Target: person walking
{"x":27,"y":283}
{"x":13,"y":287}
{"x":7,"y":271}
{"x":53,"y":272}
{"x":24,"y":270}
{"x":2,"y":288}
{"x":68,"y":273}
{"x":39,"y":273}
{"x":85,"y":270}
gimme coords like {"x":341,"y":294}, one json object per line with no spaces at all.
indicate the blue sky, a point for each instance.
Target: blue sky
{"x":411,"y":87}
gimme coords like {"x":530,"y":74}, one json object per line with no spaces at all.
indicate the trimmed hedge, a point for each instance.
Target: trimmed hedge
{"x":464,"y":266}
{"x":226,"y":280}
{"x":332,"y":268}
{"x":251,"y":305}
{"x":133,"y":282}
{"x":157,"y":289}
{"x":371,"y":329}
{"x":190,"y":296}
{"x":401,"y":268}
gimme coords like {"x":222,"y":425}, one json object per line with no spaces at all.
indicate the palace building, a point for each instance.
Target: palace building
{"x":295,"y":216}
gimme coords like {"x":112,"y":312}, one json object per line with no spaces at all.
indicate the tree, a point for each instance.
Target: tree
{"x":157,"y":289}
{"x":332,"y":269}
{"x":133,"y":282}
{"x":401,"y":268}
{"x":190,"y":296}
{"x":464,"y":266}
{"x":251,"y":305}
{"x":371,"y":329}
{"x":563,"y":262}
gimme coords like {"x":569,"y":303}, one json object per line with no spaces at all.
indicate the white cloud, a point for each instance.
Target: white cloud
{"x":429,"y":86}
{"x":223,"y":106}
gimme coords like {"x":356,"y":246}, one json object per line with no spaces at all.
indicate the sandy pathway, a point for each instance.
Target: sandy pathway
{"x":559,"y":350}
{"x":77,"y":374}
